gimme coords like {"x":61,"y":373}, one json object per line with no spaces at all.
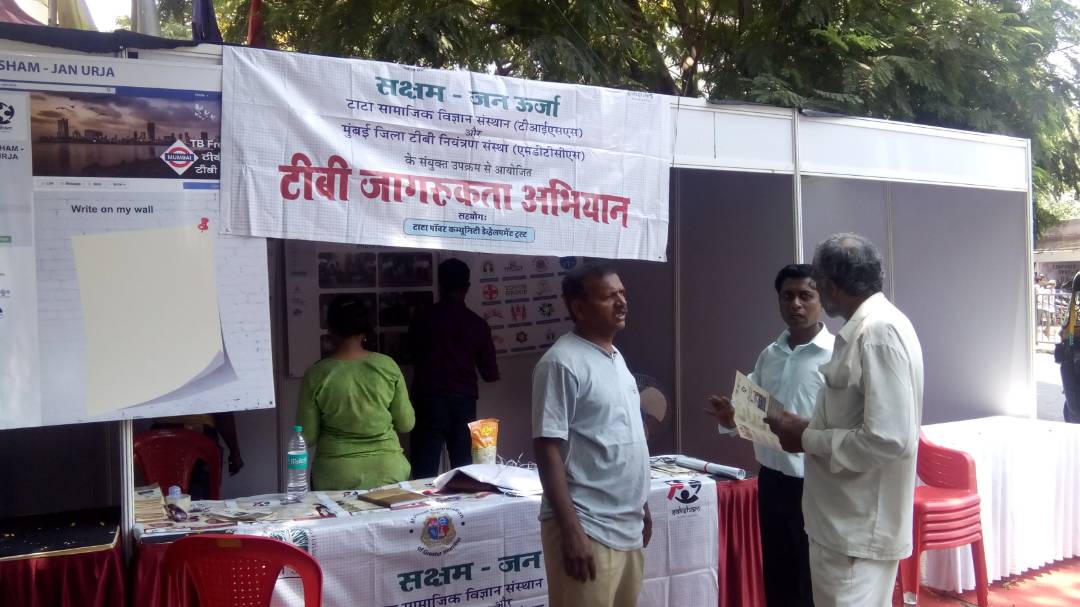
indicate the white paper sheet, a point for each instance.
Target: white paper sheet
{"x":151,"y":314}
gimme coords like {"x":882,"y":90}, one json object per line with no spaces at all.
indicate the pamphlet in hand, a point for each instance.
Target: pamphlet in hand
{"x":752,"y":406}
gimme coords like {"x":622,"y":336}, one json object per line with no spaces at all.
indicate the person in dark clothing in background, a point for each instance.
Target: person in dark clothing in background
{"x":450,"y":344}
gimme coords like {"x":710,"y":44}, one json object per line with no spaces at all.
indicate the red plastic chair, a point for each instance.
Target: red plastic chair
{"x":947,"y":514}
{"x":238,"y":570}
{"x":167,"y":457}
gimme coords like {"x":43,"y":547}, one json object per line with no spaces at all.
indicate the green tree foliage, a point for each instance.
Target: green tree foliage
{"x":982,"y":65}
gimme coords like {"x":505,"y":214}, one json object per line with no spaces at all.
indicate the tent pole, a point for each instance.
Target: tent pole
{"x":796,"y":188}
{"x":127,"y":487}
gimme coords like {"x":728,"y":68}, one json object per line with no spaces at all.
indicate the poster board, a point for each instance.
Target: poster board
{"x":393,"y":283}
{"x":521,"y":299}
{"x":518,"y":296}
{"x":120,"y":300}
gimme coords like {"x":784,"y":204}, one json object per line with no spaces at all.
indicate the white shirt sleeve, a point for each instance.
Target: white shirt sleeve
{"x":888,"y":430}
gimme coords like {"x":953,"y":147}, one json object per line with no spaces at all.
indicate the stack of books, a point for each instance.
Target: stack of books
{"x":149,"y":505}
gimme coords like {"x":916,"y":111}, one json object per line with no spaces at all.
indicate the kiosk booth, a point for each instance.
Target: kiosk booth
{"x":115,"y":134}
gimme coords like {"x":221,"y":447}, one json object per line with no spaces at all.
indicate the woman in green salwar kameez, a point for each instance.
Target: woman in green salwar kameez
{"x":352,"y":405}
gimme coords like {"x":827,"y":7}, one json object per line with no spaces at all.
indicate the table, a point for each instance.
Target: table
{"x":490,"y":544}
{"x":1028,"y":473}
{"x":739,"y":544}
{"x":66,"y":559}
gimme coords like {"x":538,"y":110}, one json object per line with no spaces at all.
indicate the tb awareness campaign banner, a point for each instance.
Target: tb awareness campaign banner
{"x":362,"y":152}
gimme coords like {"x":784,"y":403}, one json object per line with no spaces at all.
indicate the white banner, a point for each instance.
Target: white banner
{"x":362,"y":152}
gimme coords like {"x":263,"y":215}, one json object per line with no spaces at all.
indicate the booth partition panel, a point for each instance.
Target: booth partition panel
{"x":735,"y":231}
{"x":831,"y":206}
{"x":969,"y":302}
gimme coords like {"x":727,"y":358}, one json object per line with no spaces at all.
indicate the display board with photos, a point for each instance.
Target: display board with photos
{"x":519,"y":296}
{"x":391,"y":284}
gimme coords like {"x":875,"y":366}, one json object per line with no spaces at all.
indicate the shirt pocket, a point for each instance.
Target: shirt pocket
{"x":842,"y":407}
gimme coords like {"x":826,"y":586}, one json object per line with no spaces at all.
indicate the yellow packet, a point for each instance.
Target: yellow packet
{"x":485,"y":438}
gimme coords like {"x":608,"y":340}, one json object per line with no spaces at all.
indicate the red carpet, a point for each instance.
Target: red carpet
{"x":1057,"y":585}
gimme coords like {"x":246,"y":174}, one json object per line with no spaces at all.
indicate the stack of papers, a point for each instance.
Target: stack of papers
{"x":149,"y":505}
{"x":510,"y":480}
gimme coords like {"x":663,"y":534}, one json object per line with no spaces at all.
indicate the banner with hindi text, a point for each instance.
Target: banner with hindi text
{"x":354,"y":151}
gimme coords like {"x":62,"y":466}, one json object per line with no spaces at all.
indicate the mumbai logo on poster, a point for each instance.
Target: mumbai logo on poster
{"x":7,"y":118}
{"x":179,"y":157}
{"x":437,"y":529}
{"x":7,"y":113}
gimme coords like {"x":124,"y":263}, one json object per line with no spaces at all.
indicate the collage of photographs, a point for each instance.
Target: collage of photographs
{"x":391,"y":285}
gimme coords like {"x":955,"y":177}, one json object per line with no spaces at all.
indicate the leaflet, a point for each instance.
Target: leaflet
{"x":753,"y":405}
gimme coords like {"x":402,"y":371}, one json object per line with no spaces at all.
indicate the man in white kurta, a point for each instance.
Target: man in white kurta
{"x":862,"y":440}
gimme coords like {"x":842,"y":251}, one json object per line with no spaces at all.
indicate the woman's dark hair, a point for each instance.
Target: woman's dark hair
{"x":348,"y":317}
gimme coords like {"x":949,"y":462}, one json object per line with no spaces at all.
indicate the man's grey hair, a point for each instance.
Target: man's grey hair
{"x":851,"y":262}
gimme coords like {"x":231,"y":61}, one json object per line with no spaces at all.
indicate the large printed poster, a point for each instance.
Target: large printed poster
{"x":521,"y":299}
{"x":362,"y":152}
{"x":120,"y":297}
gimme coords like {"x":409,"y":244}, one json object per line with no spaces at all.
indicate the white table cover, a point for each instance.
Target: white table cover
{"x":472,"y":552}
{"x":1029,"y":479}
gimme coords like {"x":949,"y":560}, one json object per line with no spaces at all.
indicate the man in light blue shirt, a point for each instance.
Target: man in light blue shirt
{"x":788,"y":369}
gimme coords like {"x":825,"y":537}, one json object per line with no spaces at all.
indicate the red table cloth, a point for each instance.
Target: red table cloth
{"x":741,"y":584}
{"x":88,"y":579}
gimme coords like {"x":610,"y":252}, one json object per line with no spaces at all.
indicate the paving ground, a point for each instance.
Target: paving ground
{"x":1048,"y":387}
{"x":1055,"y":586}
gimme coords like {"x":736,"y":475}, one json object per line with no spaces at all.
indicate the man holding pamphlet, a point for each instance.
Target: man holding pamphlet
{"x":785,"y":378}
{"x":862,"y":440}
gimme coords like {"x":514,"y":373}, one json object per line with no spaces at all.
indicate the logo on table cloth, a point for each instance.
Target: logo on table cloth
{"x":293,"y":535}
{"x":568,"y":263}
{"x":540,"y":264}
{"x":491,"y":292}
{"x":686,"y":493}
{"x":437,"y":530}
{"x":179,"y":157}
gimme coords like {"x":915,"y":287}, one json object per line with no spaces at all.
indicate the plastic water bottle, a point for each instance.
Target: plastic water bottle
{"x":296,"y":484}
